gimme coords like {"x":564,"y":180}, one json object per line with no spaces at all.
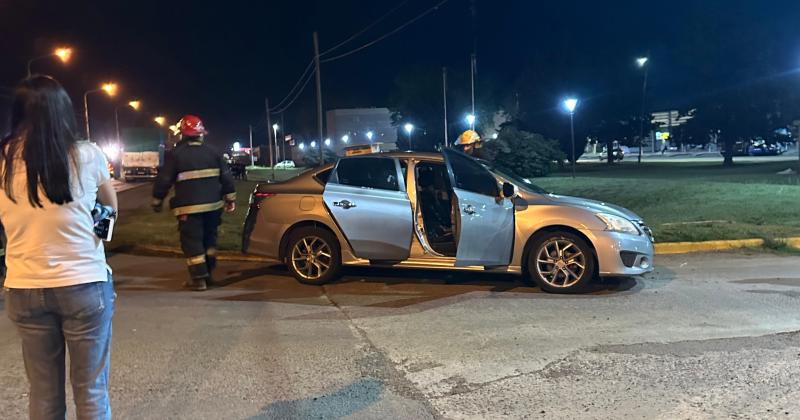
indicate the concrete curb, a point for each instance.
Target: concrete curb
{"x":706,"y":246}
{"x":661,"y":249}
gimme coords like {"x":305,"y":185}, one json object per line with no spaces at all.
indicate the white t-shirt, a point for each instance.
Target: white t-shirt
{"x":55,"y":246}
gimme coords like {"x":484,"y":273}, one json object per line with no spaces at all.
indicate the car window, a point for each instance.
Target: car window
{"x":471,"y":176}
{"x":378,"y":173}
{"x":323,"y":176}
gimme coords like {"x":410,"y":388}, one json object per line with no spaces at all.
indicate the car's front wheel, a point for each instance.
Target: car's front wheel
{"x":313,"y":256}
{"x":561,"y":262}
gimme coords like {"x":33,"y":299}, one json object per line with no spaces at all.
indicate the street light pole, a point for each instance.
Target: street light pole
{"x":252,"y":158}
{"x":275,"y":140}
{"x":110,"y":89}
{"x":444,"y":100}
{"x":570,"y":104}
{"x":572,"y":136}
{"x":643,"y":63}
{"x":472,"y":66}
{"x":86,"y":113}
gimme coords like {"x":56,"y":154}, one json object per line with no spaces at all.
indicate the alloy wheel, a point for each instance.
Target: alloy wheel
{"x":560,"y":263}
{"x":311,"y":257}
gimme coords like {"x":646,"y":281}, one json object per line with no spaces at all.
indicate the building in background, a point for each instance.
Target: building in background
{"x":360,"y":126}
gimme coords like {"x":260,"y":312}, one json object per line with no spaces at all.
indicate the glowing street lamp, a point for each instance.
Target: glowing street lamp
{"x":237,"y":147}
{"x":570,"y":104}
{"x":409,"y":129}
{"x":313,"y":144}
{"x":345,"y":138}
{"x":110,"y":89}
{"x":135,"y":105}
{"x":63,"y":53}
{"x":471,"y":121}
{"x":327,"y":142}
{"x":160,"y":120}
{"x":370,"y":135}
{"x":641,"y":61}
{"x":302,"y":146}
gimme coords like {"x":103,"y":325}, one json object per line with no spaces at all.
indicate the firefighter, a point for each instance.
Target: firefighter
{"x":468,"y":142}
{"x":203,"y":188}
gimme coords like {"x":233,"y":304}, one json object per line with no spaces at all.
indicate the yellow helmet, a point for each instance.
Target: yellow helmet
{"x":468,"y":137}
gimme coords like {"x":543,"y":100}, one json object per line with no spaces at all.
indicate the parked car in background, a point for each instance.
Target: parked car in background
{"x":285,"y":164}
{"x":618,"y":154}
{"x":440,"y":211}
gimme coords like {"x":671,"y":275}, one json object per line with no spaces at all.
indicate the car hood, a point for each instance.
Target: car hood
{"x":591,"y":205}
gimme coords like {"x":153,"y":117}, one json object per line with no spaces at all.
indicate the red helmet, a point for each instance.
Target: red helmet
{"x":191,"y":125}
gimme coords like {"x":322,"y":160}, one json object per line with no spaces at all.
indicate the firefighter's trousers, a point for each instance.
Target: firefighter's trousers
{"x":199,"y":242}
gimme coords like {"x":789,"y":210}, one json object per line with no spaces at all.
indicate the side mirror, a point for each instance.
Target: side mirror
{"x":508,"y":190}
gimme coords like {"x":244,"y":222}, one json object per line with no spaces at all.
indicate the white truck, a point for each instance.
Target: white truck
{"x":140,"y":165}
{"x":142,"y":153}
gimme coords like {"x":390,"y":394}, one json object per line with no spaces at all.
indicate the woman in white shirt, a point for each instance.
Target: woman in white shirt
{"x":59,"y":291}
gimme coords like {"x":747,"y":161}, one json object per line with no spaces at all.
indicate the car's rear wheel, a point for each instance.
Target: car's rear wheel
{"x":313,"y":256}
{"x":561,"y":262}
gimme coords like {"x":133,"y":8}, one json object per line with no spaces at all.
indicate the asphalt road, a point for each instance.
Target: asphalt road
{"x":705,"y":336}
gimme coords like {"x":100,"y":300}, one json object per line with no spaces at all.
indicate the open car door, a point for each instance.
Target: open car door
{"x":485,"y":219}
{"x":367,"y":198}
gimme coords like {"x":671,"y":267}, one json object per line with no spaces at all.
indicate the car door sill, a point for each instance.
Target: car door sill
{"x":440,"y":263}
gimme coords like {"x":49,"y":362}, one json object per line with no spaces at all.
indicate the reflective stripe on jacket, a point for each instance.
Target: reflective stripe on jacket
{"x":200,"y":176}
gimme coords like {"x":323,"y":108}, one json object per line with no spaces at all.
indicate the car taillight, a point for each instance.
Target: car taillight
{"x":258,"y":197}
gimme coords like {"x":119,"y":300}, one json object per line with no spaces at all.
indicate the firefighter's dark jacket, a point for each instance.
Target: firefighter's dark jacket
{"x":201,"y":177}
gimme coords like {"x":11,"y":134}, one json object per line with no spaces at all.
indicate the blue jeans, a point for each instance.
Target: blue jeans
{"x":77,"y":318}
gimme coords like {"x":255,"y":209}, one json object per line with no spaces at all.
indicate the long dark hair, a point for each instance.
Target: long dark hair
{"x":43,"y":127}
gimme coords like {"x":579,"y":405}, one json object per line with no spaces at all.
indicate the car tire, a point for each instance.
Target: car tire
{"x":554,"y":260}
{"x":325,"y":251}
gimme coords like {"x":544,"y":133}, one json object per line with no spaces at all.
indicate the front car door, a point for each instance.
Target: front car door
{"x":368,"y":200}
{"x":486,"y":221}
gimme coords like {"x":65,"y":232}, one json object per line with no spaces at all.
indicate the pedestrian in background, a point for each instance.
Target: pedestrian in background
{"x":58,"y":288}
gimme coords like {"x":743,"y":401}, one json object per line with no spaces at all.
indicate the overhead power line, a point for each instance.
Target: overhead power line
{"x":306,"y":77}
{"x":300,"y":80}
{"x":368,"y":27}
{"x":388,"y":34}
{"x":276,"y":110}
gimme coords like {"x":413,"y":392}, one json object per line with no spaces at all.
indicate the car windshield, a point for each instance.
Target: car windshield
{"x":511,"y":176}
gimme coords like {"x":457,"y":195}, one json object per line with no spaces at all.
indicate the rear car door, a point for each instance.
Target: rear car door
{"x":367,"y":198}
{"x":485,"y":220}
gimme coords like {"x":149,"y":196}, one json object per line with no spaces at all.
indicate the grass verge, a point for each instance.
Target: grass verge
{"x":682,"y":202}
{"x":144,"y":227}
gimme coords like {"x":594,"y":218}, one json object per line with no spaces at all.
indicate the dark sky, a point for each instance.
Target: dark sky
{"x":220,"y":59}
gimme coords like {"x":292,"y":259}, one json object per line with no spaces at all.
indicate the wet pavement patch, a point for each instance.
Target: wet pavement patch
{"x":777,"y":281}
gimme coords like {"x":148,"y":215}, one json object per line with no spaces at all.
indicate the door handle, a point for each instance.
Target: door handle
{"x":469,"y":209}
{"x":344,"y":204}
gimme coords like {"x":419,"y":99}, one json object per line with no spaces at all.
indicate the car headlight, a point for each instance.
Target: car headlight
{"x":618,"y":224}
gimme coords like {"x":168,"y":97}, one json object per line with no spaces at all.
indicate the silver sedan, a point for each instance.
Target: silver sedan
{"x":441,"y":211}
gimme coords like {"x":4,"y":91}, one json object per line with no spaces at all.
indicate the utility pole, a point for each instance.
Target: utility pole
{"x":269,"y":133}
{"x":252,"y":157}
{"x":444,"y":100}
{"x":319,"y":100}
{"x":283,"y":139}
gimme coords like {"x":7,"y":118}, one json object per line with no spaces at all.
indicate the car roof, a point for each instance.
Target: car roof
{"x":403,"y":155}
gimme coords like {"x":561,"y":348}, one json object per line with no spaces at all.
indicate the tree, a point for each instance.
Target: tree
{"x":525,"y":153}
{"x":311,"y":156}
